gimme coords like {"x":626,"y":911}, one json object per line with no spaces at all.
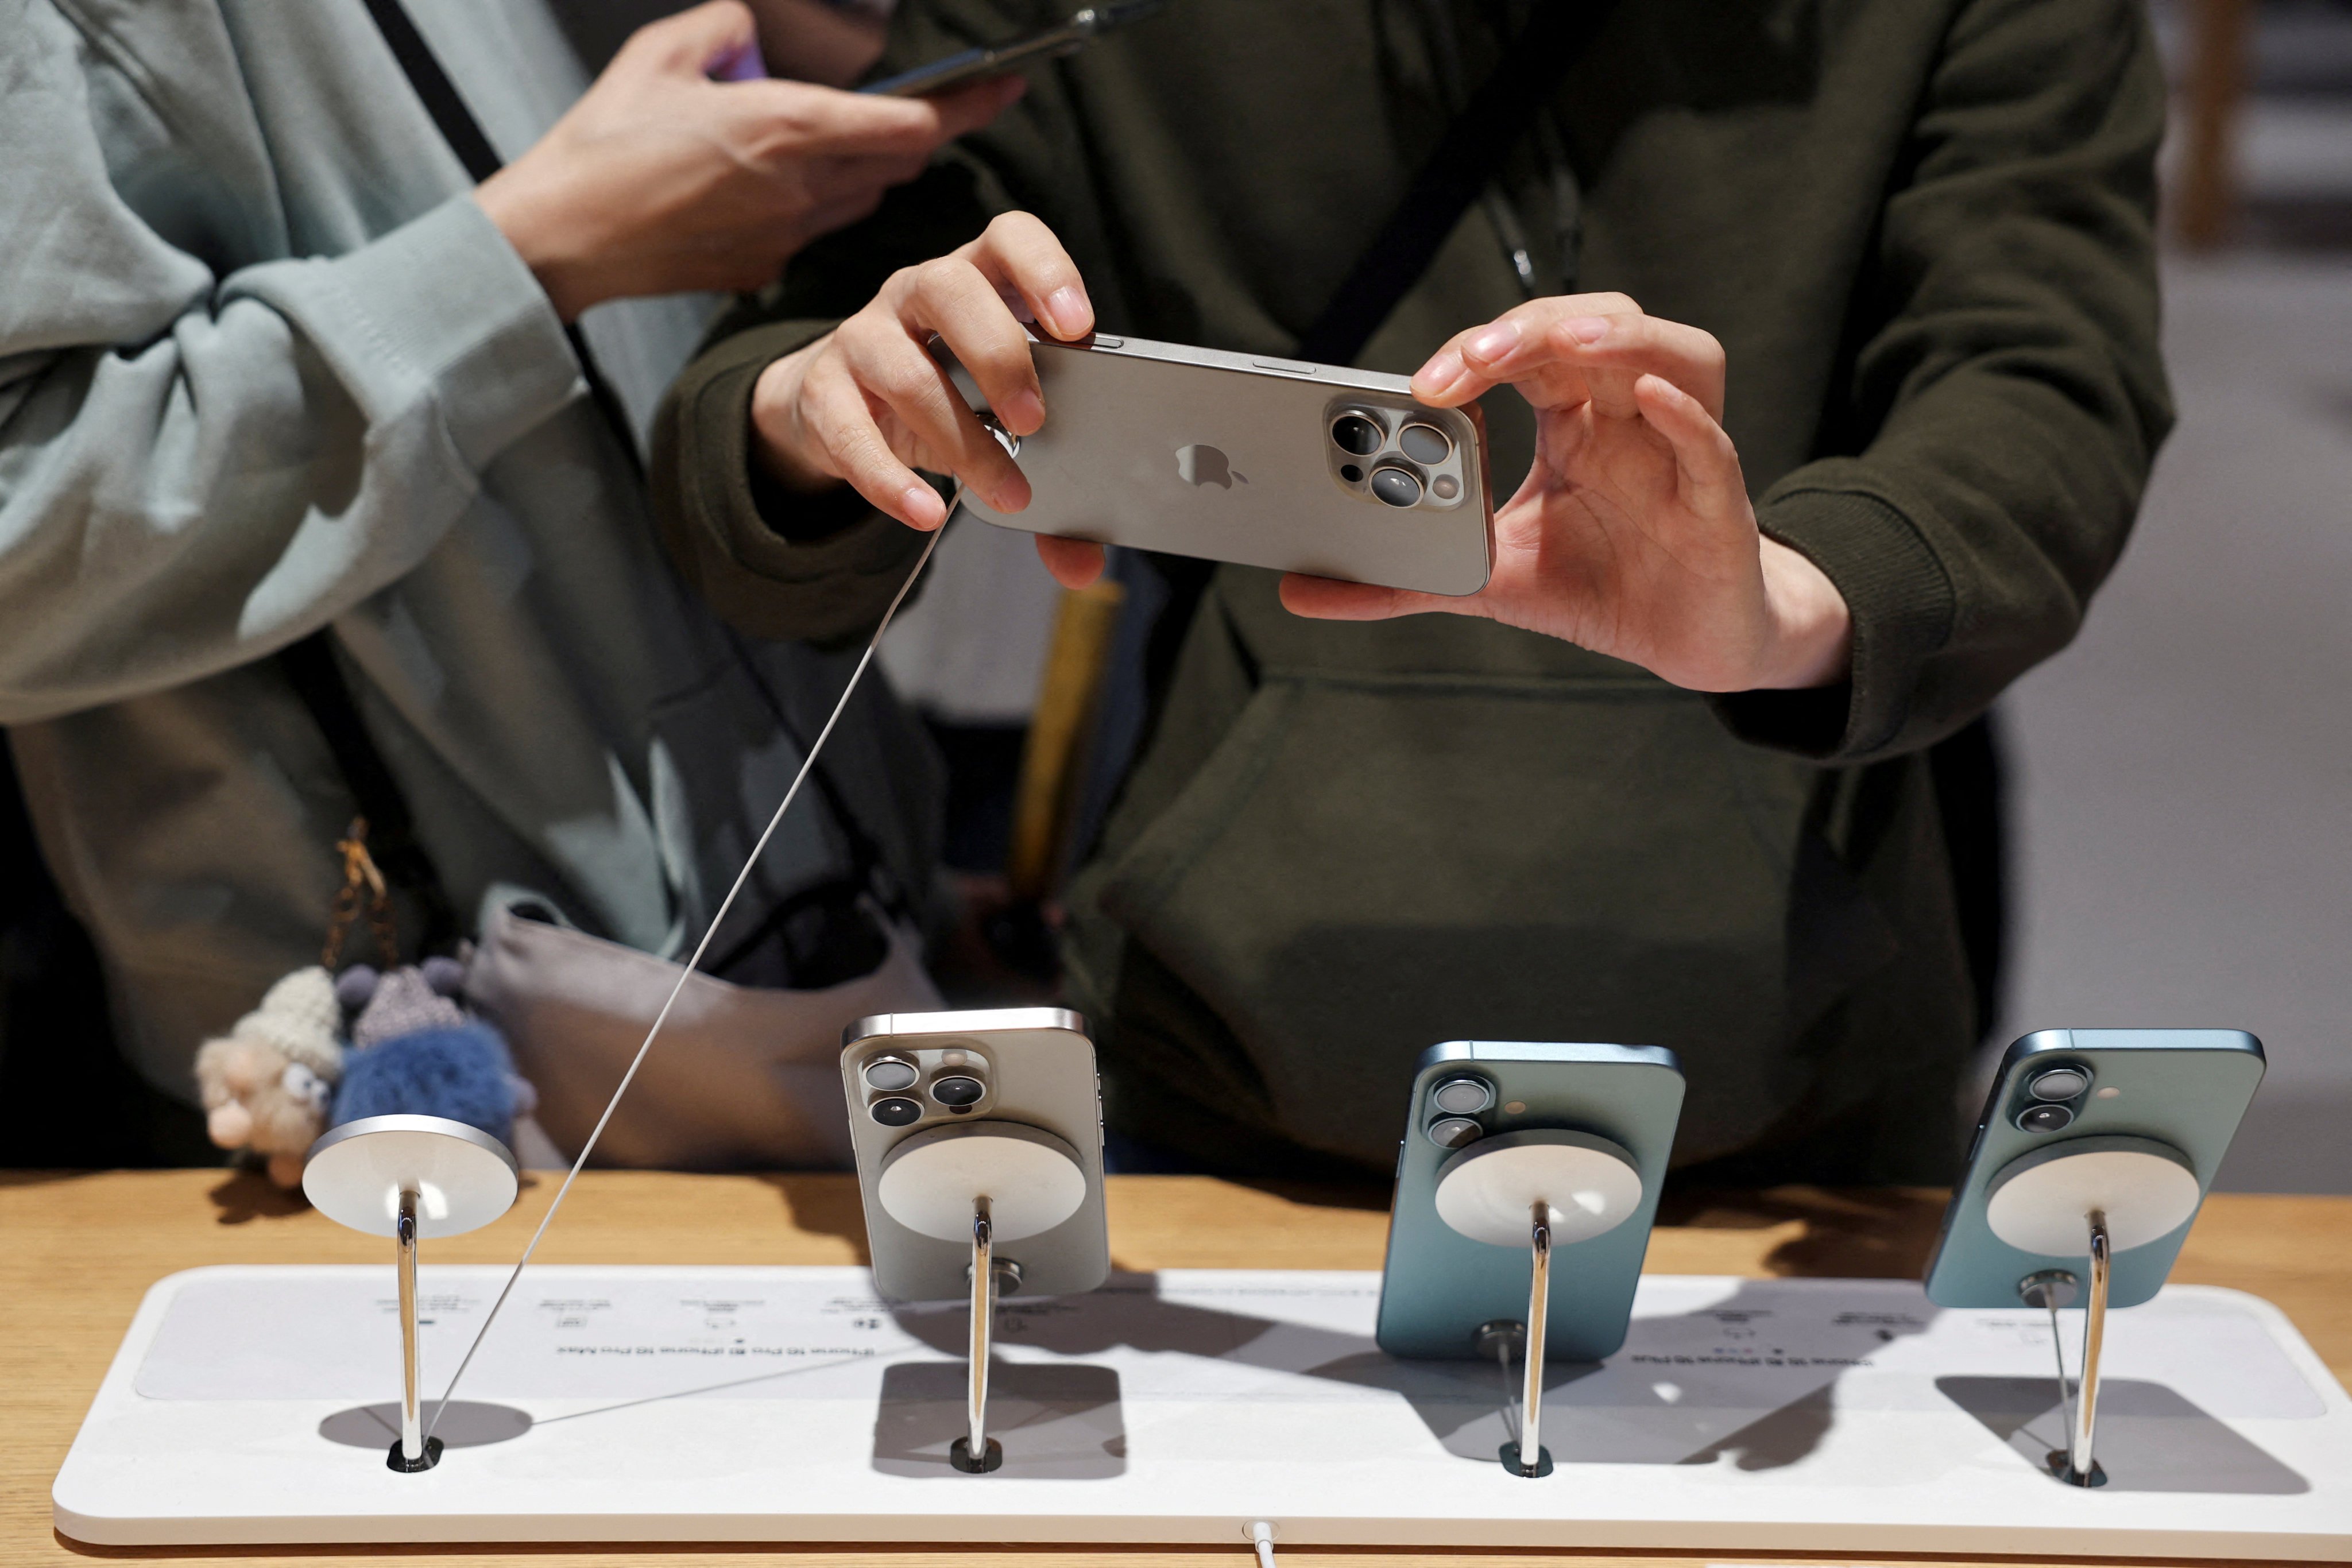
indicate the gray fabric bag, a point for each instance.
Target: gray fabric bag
{"x":742,"y":1077}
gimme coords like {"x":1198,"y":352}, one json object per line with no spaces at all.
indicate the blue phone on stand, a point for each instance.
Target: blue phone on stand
{"x":1440,"y":1287}
{"x":2167,"y":1099}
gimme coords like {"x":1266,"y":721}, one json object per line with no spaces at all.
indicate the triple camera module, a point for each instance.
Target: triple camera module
{"x":899,"y":1096}
{"x":1397,"y":456}
{"x":2051,"y":1096}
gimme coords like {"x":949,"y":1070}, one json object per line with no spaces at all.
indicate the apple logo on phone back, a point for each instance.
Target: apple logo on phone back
{"x":1201,"y":464}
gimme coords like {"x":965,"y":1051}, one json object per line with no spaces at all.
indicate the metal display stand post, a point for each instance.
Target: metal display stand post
{"x":405,"y":1177}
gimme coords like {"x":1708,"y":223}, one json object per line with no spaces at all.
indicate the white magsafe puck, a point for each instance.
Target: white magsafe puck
{"x":1032,"y":1179}
{"x":1489,"y":1190}
{"x":2041,"y":1202}
{"x":462,"y":1176}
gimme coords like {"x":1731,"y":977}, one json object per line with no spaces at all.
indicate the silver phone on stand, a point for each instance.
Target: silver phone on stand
{"x":913,"y":1079}
{"x":1253,"y":460}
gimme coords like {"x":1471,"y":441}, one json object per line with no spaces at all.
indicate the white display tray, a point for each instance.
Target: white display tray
{"x":250,"y":1404}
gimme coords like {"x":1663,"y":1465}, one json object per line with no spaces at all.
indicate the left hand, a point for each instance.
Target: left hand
{"x":1632,"y":535}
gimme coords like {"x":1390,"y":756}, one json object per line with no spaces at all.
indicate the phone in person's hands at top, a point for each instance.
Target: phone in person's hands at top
{"x":2175,"y":1094}
{"x":1440,"y":1287}
{"x":1253,"y":460}
{"x":1047,"y":44}
{"x":914,"y":1079}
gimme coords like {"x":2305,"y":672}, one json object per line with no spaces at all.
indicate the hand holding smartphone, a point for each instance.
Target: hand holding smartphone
{"x":1246,"y":458}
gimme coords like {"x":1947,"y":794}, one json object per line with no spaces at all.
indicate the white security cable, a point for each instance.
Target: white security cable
{"x":2058,"y":1353}
{"x":693,"y":963}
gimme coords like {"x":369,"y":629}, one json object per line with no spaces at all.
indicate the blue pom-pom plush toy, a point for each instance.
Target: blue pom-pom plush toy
{"x":415,"y":1052}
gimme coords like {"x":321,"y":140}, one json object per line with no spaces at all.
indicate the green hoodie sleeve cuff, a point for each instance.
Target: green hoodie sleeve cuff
{"x":1903,"y":605}
{"x":771,"y":563}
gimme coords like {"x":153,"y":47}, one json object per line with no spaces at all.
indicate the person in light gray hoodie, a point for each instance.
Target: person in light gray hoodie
{"x":274,"y":364}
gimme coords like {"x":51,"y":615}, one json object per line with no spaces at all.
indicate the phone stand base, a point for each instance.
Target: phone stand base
{"x":394,"y":1459}
{"x":1798,"y":1418}
{"x":2063,"y":1469}
{"x":991,"y":1461}
{"x":1509,"y":1455}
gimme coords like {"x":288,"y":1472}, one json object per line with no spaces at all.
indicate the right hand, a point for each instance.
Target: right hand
{"x":660,"y":181}
{"x":866,"y":403}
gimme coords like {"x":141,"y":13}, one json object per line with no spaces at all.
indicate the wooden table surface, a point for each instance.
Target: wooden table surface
{"x":78,"y":1251}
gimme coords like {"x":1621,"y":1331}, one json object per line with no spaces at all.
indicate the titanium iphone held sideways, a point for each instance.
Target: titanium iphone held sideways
{"x":1479,"y":1099}
{"x":1253,"y":460}
{"x":930,"y":1096}
{"x":2158,"y":1105}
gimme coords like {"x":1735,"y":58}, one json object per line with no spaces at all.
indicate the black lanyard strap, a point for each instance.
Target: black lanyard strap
{"x":1502,"y":111}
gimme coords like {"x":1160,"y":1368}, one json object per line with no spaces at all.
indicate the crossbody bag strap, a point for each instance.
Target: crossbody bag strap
{"x":310,"y":666}
{"x":1499,"y":114}
{"x":1503,"y":109}
{"x":467,"y":139}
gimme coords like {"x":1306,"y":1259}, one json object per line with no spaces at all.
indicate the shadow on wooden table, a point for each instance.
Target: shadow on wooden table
{"x":1853,"y":1233}
{"x":244,"y":1196}
{"x":823,"y":1204}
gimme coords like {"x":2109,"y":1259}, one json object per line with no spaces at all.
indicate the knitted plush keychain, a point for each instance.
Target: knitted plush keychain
{"x":287,"y":1072}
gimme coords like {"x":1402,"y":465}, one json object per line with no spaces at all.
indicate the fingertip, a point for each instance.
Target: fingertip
{"x":1022,"y":414}
{"x":1069,"y":312}
{"x":1008,"y":492}
{"x":969,"y":107}
{"x":919,"y":507}
{"x":1494,"y":343}
{"x":1073,"y":563}
{"x":1328,"y":599}
{"x":1656,"y":389}
{"x":1437,"y":378}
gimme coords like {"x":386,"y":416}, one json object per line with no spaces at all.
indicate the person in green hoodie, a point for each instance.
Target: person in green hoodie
{"x":1826,"y":339}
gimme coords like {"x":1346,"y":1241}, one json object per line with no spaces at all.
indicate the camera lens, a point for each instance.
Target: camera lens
{"x":1396,"y":486}
{"x":1463,"y":1096}
{"x":897,"y":1110}
{"x":889,"y":1074}
{"x":2059,"y":1083}
{"x":957,"y":1091}
{"x":1425,"y":444}
{"x":1358,"y":434}
{"x":2046,"y":1117}
{"x":1452,"y":1132}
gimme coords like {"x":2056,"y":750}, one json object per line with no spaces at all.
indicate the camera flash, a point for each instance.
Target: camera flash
{"x":2108,"y":1093}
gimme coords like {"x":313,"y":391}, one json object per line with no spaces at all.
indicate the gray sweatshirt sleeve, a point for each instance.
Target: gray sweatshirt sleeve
{"x":203,"y":461}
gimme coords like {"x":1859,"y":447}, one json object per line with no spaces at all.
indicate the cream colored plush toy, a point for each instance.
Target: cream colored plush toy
{"x":267,"y":1084}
